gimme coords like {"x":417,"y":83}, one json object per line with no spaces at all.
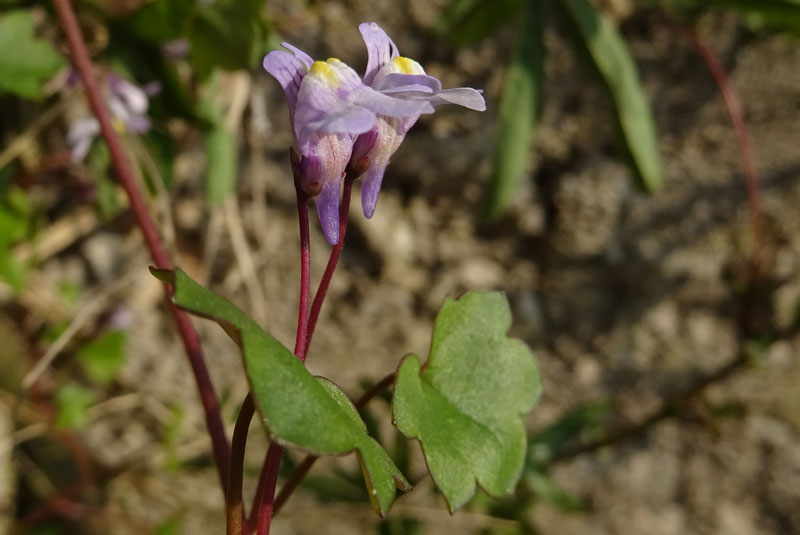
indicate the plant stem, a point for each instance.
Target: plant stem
{"x":737,"y":116}
{"x":302,"y":469}
{"x":306,"y":322}
{"x":234,"y":508}
{"x":191,"y":341}
{"x":266,"y":508}
{"x":265,"y":492}
{"x":325,"y":281}
{"x":301,"y":341}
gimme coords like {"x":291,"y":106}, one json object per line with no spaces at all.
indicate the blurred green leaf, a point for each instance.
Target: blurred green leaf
{"x":102,"y":357}
{"x":171,"y":527}
{"x":12,"y":271}
{"x":465,"y":405}
{"x":296,"y":407}
{"x":220,"y":144}
{"x":541,"y":483}
{"x":221,"y":163}
{"x":72,"y":402}
{"x":757,"y":14}
{"x":162,"y":20}
{"x":172,"y":431}
{"x":615,"y":64}
{"x":161,"y":148}
{"x":544,"y":443}
{"x":467,"y":21}
{"x":519,"y":106}
{"x":227,"y":34}
{"x":760,"y":14}
{"x":99,"y":161}
{"x":14,"y":224}
{"x":26,"y":62}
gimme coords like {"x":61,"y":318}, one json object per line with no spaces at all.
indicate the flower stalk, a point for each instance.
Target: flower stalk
{"x":189,"y":337}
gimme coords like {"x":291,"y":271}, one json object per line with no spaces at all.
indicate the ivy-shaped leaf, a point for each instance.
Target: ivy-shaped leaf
{"x":464,"y":404}
{"x":26,"y":62}
{"x":297,"y":408}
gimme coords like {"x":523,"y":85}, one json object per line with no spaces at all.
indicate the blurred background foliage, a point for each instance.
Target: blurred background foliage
{"x":181,"y":48}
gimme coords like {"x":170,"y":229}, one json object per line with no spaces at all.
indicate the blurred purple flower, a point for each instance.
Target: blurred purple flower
{"x":128,"y":104}
{"x":329,"y":106}
{"x":402,"y":79}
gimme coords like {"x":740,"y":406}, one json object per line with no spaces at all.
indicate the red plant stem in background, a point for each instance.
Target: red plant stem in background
{"x":736,"y":113}
{"x":325,"y":281}
{"x":234,"y":508}
{"x":191,"y":341}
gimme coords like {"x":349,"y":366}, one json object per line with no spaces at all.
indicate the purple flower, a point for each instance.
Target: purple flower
{"x":128,"y":104}
{"x":403,"y":79}
{"x":329,"y":106}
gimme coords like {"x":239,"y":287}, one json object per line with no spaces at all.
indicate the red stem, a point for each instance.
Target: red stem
{"x":736,"y":113}
{"x":325,"y":281}
{"x":301,"y":341}
{"x":191,"y":341}
{"x":265,"y":495}
{"x":266,"y":508}
{"x":234,"y":507}
{"x":265,"y":492}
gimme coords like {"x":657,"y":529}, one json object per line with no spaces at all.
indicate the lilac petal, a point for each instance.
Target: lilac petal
{"x":340,"y":118}
{"x":288,"y":70}
{"x":131,"y":95}
{"x":463,"y":96}
{"x":328,"y":211}
{"x":304,"y":58}
{"x":138,"y":124}
{"x":380,"y":49}
{"x":371,"y":187}
{"x":397,"y":82}
{"x":80,"y":136}
{"x":385,"y":105}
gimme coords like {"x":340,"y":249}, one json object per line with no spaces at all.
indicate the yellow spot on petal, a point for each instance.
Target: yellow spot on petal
{"x":323,"y":70}
{"x":408,"y":66}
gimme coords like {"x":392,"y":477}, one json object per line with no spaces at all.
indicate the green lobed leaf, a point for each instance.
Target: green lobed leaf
{"x":464,"y":406}
{"x":518,"y":111}
{"x":297,"y":408}
{"x":33,"y":60}
{"x":615,"y":64}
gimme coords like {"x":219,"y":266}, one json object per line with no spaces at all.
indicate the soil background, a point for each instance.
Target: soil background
{"x":626,"y":298}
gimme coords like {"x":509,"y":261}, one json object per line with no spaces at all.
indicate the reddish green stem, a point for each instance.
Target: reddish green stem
{"x":191,"y":341}
{"x":234,"y":507}
{"x":325,"y":281}
{"x":736,"y":113}
{"x":266,"y":508}
{"x":301,"y":340}
{"x":264,"y":501}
